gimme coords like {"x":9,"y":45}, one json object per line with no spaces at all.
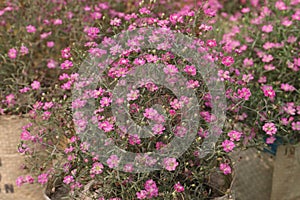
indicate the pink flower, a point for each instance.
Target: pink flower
{"x":296,"y":126}
{"x":267,"y":58}
{"x":50,"y":44}
{"x":225,"y":168}
{"x":20,"y":181}
{"x":113,"y":161}
{"x":178,"y":187}
{"x":24,"y":90}
{"x":35,"y":85}
{"x":192,"y":84}
{"x":171,"y":70}
{"x":180,"y":131}
{"x":280,"y":5}
{"x":150,"y":113}
{"x":190,"y":70}
{"x":158,"y":129}
{"x":170,"y":164}
{"x":12,"y":53}
{"x":128,"y":167}
{"x":67,"y":64}
{"x":68,"y":179}
{"x":268,"y":91}
{"x":141,"y":194}
{"x":134,"y":139}
{"x":106,"y":126}
{"x":151,"y":188}
{"x":105,"y":101}
{"x":23,"y":50}
{"x":57,"y":22}
{"x":248,"y":62}
{"x":228,"y":145}
{"x":10,"y":99}
{"x":234,"y":135}
{"x":43,"y":178}
{"x":211,"y":43}
{"x":270,"y":140}
{"x":30,"y":29}
{"x":244,"y":93}
{"x":270,"y":128}
{"x":144,"y":11}
{"x":227,"y":61}
{"x":115,"y":22}
{"x":65,"y":53}
{"x":97,"y":168}
{"x":267,"y":28}
{"x":133,"y":95}
{"x":51,"y":64}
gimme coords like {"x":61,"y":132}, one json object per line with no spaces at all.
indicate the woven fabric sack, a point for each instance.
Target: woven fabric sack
{"x":11,"y":162}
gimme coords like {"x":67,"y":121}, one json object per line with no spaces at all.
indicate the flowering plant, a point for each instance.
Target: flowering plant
{"x":69,"y":104}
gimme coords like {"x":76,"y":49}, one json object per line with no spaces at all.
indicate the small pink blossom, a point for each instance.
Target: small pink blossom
{"x":12,"y":53}
{"x":267,"y":28}
{"x":244,"y":93}
{"x":67,"y":64}
{"x":270,"y":128}
{"x":35,"y":85}
{"x":68,"y":179}
{"x":170,"y":164}
{"x":30,"y":29}
{"x":227,"y":61}
{"x":178,"y":187}
{"x":113,"y":161}
{"x":235,"y":135}
{"x":225,"y":168}
{"x":43,"y":178}
{"x":228,"y":145}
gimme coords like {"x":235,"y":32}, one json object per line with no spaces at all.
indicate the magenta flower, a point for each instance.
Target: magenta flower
{"x":190,"y":70}
{"x":12,"y":53}
{"x":105,"y":101}
{"x":234,"y":135}
{"x":170,"y":164}
{"x":268,"y":91}
{"x":134,"y":139}
{"x":133,"y":95}
{"x":180,"y":131}
{"x":225,"y":168}
{"x":30,"y":29}
{"x":228,"y":146}
{"x":35,"y":85}
{"x":267,"y":28}
{"x":67,"y":64}
{"x":141,"y":194}
{"x":211,"y":43}
{"x":115,"y":22}
{"x":227,"y":61}
{"x":158,"y":129}
{"x":20,"y":181}
{"x":296,"y":126}
{"x":244,"y":93}
{"x":270,"y":140}
{"x":178,"y":187}
{"x":106,"y":126}
{"x":68,"y":179}
{"x":97,"y":168}
{"x":43,"y":178}
{"x":113,"y":161}
{"x":171,"y":70}
{"x":270,"y":128}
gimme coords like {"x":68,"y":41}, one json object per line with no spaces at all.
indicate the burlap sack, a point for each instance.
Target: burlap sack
{"x":286,"y":177}
{"x":11,"y":161}
{"x":253,"y":171}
